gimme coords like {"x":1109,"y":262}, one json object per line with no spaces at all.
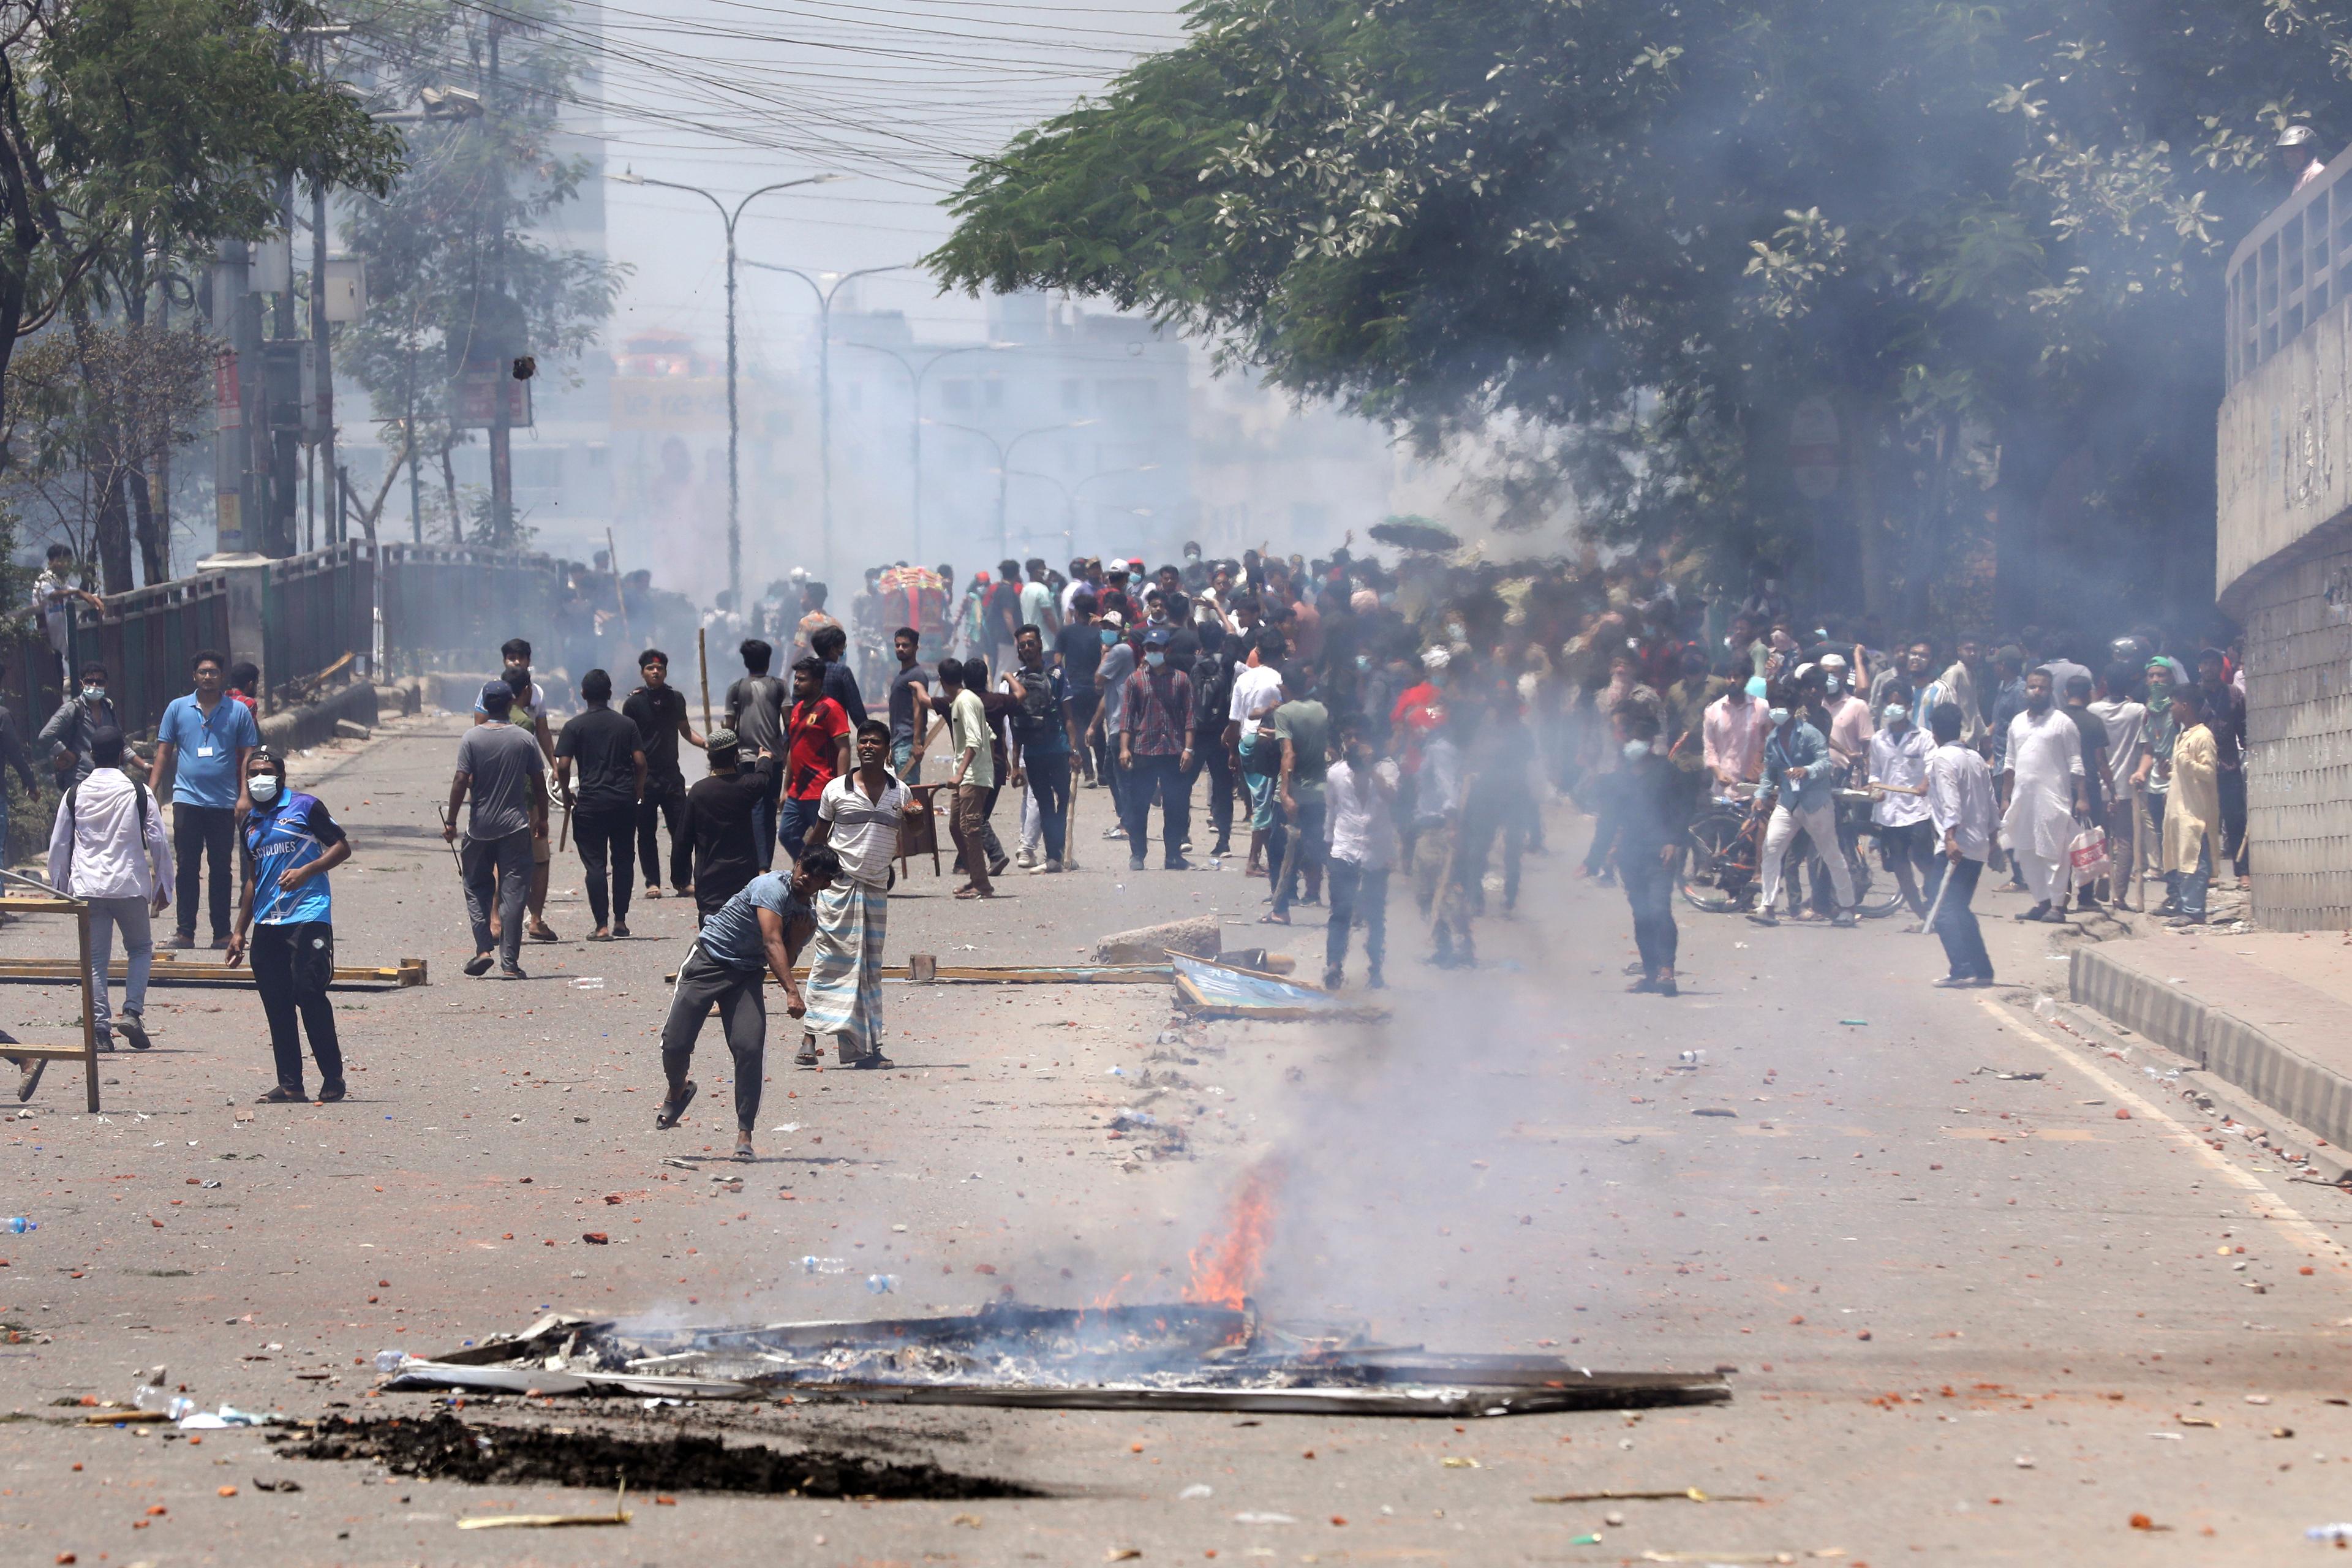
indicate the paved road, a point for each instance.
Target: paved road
{"x":1969,"y":1314}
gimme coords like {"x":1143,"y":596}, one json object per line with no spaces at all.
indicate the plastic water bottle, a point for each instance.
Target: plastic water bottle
{"x":814,"y":1265}
{"x":17,"y":1225}
{"x":881,"y":1284}
{"x":388,"y":1361}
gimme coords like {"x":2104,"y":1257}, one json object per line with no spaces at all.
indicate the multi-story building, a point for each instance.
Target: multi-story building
{"x":2284,"y":563}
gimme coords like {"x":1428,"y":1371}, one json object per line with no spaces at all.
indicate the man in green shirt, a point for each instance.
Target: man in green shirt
{"x":1304,"y":727}
{"x":973,"y":775}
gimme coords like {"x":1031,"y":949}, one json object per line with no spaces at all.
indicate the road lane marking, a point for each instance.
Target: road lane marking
{"x":2279,"y":1210}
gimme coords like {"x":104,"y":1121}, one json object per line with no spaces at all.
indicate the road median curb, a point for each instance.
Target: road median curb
{"x":2254,"y":1030}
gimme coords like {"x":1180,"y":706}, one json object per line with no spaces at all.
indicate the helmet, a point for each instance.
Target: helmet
{"x":2297,"y":136}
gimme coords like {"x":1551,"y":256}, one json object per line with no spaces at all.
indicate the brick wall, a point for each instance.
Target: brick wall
{"x":2298,"y":625}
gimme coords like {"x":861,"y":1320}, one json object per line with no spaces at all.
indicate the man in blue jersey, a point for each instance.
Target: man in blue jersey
{"x":290,"y":844}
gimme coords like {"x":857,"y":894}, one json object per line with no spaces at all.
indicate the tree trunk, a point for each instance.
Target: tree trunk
{"x":152,"y":530}
{"x":449,"y":487}
{"x":2030,"y":456}
{"x":113,"y":535}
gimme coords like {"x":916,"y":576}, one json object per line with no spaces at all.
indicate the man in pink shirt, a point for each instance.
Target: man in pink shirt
{"x":1850,"y":727}
{"x":1735,"y":726}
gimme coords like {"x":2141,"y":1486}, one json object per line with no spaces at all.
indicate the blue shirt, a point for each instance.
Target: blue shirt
{"x":292,"y":830}
{"x":730,"y":938}
{"x":1799,"y":746}
{"x":204,"y":772}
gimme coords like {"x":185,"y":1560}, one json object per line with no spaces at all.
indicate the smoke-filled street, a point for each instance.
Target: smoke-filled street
{"x":1993,"y":1316}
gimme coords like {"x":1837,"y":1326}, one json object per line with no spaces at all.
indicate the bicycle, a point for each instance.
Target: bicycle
{"x":1722,"y":873}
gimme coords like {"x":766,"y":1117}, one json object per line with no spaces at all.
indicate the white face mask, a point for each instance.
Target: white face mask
{"x":1155,"y":659}
{"x":1778,"y":716}
{"x":93,"y":694}
{"x":263,"y":787}
{"x":1897,"y":714}
{"x":1636,"y":749}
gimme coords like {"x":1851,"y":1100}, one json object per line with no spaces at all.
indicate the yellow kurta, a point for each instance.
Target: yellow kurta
{"x":2193,"y":815}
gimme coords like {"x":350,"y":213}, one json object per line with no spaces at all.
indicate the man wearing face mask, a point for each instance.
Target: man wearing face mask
{"x":1798,"y":782}
{"x":1155,"y":745}
{"x":290,"y":844}
{"x":2041,"y":784}
{"x":81,"y":716}
{"x":1849,"y":717}
{"x":1734,"y":729}
{"x":1898,"y":778}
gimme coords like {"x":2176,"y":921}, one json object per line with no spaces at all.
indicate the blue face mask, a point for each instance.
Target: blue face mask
{"x":1108,"y":636}
{"x":1155,"y":659}
{"x":1755,"y":687}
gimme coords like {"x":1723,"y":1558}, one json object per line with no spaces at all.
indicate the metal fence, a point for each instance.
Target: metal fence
{"x":317,"y":611}
{"x":146,"y":639}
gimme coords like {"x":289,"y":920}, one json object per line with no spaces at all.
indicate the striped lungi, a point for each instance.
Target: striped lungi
{"x":845,"y":980}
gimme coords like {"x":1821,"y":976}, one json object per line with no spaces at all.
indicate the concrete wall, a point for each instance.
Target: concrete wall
{"x":2283,"y":570}
{"x":2298,"y":621}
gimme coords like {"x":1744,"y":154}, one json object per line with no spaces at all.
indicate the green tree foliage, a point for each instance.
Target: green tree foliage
{"x":133,"y":128}
{"x":1632,"y":237}
{"x":457,"y":273}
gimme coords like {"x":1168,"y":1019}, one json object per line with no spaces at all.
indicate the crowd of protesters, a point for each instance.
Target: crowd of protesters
{"x":1330,"y":721}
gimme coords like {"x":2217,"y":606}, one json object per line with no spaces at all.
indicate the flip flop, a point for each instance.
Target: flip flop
{"x":673,"y":1112}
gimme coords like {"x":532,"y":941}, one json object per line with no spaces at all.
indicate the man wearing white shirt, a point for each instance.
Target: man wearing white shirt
{"x":2041,"y":772}
{"x":108,"y":849}
{"x":1898,"y":773}
{"x":1960,"y":807}
{"x":2127,"y":740}
{"x":1360,"y":795}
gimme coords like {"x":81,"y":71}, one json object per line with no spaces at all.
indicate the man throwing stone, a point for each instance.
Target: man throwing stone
{"x":758,"y":933}
{"x":858,"y":819}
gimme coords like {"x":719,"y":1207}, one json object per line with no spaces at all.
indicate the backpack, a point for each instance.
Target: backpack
{"x":1038,"y":715}
{"x":73,"y":815}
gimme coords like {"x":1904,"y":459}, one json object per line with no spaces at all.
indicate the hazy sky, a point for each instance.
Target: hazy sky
{"x":896,"y":94}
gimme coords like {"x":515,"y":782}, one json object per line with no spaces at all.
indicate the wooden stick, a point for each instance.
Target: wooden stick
{"x":702,"y":659}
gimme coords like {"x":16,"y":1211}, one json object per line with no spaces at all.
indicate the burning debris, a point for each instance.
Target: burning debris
{"x":1187,"y":1356}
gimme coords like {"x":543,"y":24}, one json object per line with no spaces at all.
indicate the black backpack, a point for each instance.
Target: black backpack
{"x":1038,"y":715}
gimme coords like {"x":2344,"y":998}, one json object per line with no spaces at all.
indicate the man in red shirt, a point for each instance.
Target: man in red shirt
{"x":818,"y":746}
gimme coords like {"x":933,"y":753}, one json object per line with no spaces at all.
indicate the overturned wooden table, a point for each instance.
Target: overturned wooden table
{"x":25,"y":1053}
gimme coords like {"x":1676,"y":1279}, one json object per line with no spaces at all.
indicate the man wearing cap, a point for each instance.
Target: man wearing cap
{"x":108,"y":849}
{"x":721,"y":821}
{"x":1258,"y":692}
{"x":1155,"y":745}
{"x":501,"y":767}
{"x":2297,"y":148}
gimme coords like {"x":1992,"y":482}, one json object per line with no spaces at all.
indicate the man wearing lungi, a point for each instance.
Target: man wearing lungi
{"x":857,"y":818}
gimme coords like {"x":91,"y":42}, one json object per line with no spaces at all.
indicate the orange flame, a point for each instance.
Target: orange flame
{"x":1226,"y":1268}
{"x":1109,"y":1298}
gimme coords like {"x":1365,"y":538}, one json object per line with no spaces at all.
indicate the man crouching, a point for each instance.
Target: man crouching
{"x":757,"y":931}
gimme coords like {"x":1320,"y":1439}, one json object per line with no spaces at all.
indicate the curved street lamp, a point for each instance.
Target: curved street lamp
{"x":1003,"y":450}
{"x":734,"y":480}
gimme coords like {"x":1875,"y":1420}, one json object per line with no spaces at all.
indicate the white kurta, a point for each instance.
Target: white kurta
{"x":2046,"y":756}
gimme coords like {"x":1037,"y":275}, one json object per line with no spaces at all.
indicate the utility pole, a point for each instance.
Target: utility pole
{"x":734,"y":423}
{"x":824,"y":297}
{"x":502,"y":429}
{"x":325,"y":412}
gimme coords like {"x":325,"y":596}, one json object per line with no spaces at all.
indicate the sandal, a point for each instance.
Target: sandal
{"x":972,"y":893}
{"x":673,"y":1110}
{"x":1274,"y":920}
{"x":743,"y":1151}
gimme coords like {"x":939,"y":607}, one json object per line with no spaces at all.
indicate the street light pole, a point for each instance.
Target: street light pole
{"x":915,"y":422}
{"x":824,"y":381}
{"x":1005,"y":464}
{"x":1070,"y":493}
{"x":734,"y":422}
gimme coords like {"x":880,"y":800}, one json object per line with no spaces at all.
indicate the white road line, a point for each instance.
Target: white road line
{"x":2259,"y":1193}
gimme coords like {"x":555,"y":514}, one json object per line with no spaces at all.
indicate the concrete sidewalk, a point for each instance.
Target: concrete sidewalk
{"x":2269,"y":1013}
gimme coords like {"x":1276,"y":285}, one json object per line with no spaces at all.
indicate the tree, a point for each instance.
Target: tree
{"x":1988,"y":237}
{"x":457,"y":277}
{"x":90,"y":413}
{"x":135,"y":130}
